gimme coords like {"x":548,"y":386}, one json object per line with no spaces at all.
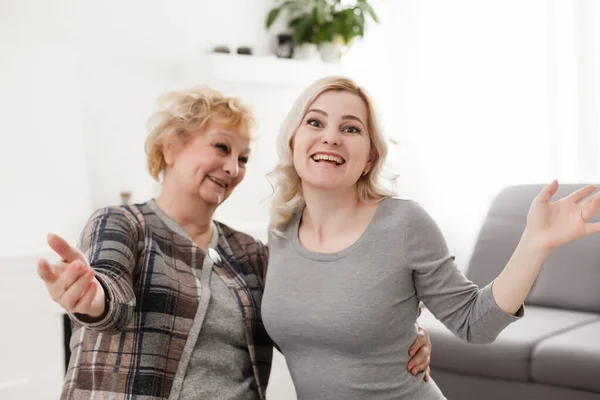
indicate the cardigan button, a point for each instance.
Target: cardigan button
{"x":214,"y":256}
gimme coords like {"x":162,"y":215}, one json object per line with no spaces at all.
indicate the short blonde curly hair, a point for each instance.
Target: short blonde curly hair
{"x":185,"y":113}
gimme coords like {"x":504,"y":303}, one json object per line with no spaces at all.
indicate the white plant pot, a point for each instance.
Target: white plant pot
{"x":331,"y":52}
{"x":307,"y":51}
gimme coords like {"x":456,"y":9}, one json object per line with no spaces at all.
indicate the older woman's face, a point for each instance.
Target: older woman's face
{"x":209,"y":164}
{"x":332,"y":145}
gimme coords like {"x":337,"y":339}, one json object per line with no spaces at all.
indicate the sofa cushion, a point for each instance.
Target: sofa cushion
{"x":570,"y":359}
{"x":509,"y":357}
{"x":571,"y":274}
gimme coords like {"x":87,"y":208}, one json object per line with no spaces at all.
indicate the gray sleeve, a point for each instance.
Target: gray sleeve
{"x":470,"y":313}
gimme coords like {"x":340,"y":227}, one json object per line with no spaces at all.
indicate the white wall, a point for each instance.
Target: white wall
{"x":44,"y":168}
{"x":31,"y":341}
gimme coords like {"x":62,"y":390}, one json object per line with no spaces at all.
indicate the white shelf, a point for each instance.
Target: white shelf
{"x":268,"y":70}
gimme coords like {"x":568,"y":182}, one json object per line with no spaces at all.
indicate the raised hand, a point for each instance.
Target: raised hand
{"x":71,"y":282}
{"x":551,"y":225}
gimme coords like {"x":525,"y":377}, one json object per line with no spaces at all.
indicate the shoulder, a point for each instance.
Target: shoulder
{"x":403,"y":211}
{"x":132,"y":215}
{"x":411,"y":218}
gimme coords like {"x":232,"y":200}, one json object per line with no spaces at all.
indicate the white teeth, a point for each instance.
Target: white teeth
{"x":328,"y":157}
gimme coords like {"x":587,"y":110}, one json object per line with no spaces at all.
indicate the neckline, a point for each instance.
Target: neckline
{"x":364,"y":236}
{"x":175,"y":227}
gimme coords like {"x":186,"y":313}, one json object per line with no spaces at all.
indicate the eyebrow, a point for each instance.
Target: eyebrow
{"x":246,"y":151}
{"x":349,"y":116}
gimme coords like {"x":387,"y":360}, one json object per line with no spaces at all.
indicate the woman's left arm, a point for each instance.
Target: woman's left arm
{"x":549,"y":225}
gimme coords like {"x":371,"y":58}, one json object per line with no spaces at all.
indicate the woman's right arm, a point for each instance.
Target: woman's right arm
{"x":107,"y":252}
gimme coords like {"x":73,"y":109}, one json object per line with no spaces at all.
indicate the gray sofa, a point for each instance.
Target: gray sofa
{"x":554,"y":351}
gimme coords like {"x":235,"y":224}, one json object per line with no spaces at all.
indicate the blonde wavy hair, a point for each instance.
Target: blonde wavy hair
{"x":287,"y":185}
{"x":185,"y":113}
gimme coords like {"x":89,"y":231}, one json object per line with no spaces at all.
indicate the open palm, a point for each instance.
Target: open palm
{"x":555,"y":224}
{"x":72,"y":282}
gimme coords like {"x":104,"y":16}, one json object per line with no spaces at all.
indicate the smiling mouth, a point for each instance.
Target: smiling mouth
{"x":218,"y":181}
{"x":327,"y":159}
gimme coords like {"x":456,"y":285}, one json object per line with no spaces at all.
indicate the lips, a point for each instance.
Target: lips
{"x":218,"y":181}
{"x":328,"y":158}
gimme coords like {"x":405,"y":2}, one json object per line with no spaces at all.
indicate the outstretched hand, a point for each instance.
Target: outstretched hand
{"x":551,"y":225}
{"x":71,"y":282}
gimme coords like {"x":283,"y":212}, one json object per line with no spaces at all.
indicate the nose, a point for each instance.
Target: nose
{"x":331,"y":136}
{"x":231,"y":167}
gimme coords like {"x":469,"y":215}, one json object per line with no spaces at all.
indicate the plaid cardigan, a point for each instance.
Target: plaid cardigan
{"x":147,"y":271}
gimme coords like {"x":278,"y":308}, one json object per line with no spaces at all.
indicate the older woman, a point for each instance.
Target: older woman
{"x":165,"y":301}
{"x":349,"y":264}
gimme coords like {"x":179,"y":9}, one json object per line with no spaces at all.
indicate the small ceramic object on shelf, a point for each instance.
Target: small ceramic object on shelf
{"x":245,"y":50}
{"x":307,"y":51}
{"x":125,"y":197}
{"x":331,"y":52}
{"x":222,"y":49}
{"x":285,"y":45}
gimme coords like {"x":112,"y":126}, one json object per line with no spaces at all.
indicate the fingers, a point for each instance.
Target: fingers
{"x":67,"y":252}
{"x":591,"y":207}
{"x":592,"y":228}
{"x":85,"y":302}
{"x":427,"y":376}
{"x":418,"y":343}
{"x":420,"y":361}
{"x":45,"y":272}
{"x":59,"y":267}
{"x":66,"y":279}
{"x":580,"y":194}
{"x":547,"y":192}
{"x":72,"y":295}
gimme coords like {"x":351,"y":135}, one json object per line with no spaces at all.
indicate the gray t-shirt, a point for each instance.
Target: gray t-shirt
{"x":345,"y":320}
{"x":220,"y":365}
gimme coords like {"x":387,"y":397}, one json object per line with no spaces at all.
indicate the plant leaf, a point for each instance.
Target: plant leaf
{"x":367,"y":9}
{"x":273,"y":14}
{"x":302,"y":28}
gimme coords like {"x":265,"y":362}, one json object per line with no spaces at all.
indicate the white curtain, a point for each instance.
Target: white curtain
{"x":483,"y":94}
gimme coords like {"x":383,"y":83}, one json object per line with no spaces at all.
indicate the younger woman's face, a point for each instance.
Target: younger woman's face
{"x":331,"y":147}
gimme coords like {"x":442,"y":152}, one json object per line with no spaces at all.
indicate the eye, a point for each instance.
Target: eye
{"x":314,"y":122}
{"x":243,"y":160}
{"x":352,"y":129}
{"x":223,"y":147}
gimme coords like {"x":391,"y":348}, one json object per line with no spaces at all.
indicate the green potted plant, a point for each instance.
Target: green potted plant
{"x":330,"y":24}
{"x":343,"y":25}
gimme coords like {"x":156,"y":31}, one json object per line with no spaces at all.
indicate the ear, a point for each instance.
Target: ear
{"x":373,"y":157}
{"x":168,"y":151}
{"x":368,"y":167}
